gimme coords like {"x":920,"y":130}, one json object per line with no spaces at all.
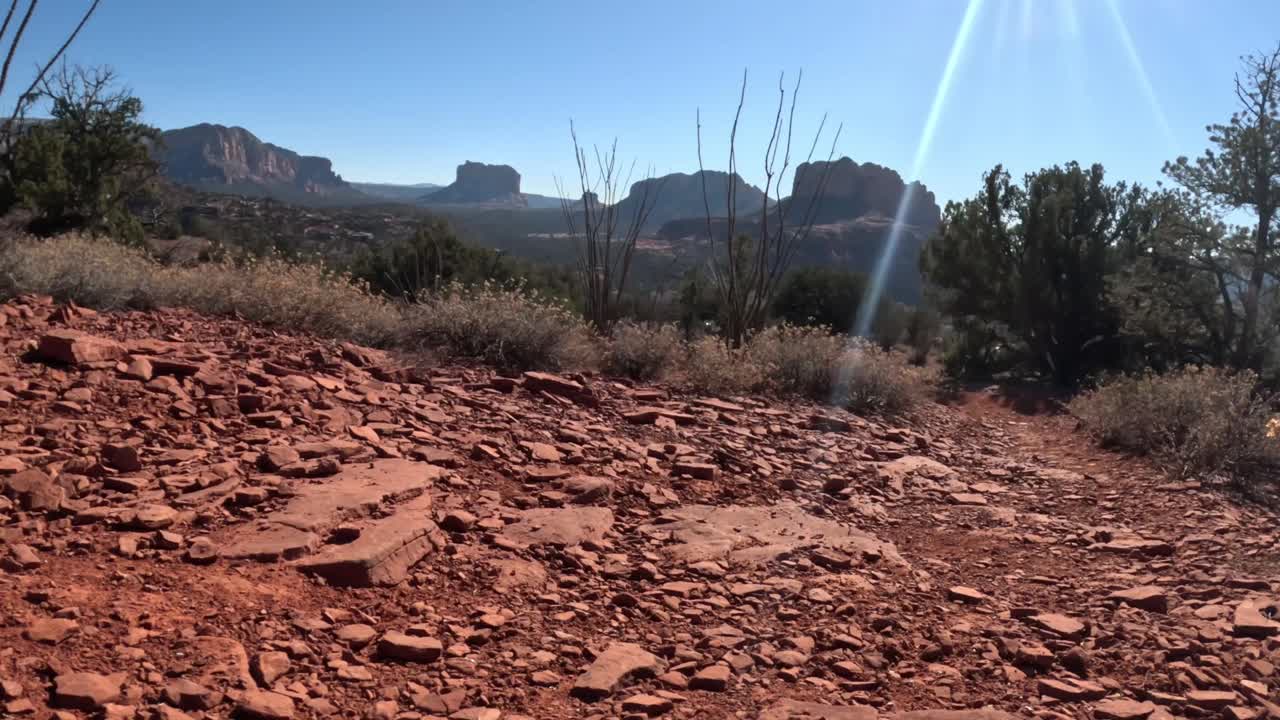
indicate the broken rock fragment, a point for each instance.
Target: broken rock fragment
{"x":395,"y":645}
{"x":86,"y":690}
{"x":71,"y":347}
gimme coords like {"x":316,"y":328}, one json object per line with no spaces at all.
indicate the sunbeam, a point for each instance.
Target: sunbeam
{"x":1122,"y":29}
{"x":875,"y":288}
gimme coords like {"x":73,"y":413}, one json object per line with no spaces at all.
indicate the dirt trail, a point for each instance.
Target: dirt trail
{"x":202,"y":518}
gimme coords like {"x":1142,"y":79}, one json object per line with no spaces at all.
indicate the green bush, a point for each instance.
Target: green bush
{"x":642,"y":351}
{"x":502,"y":326}
{"x":1192,"y":421}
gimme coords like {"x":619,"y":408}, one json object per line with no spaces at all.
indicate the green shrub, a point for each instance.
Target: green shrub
{"x":502,"y":326}
{"x":642,"y":351}
{"x":1192,"y":421}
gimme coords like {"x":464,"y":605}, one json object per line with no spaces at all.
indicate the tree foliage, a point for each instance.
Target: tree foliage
{"x":1239,"y":173}
{"x":82,"y":167}
{"x":820,"y":296}
{"x":1032,"y":261}
{"x":434,"y":258}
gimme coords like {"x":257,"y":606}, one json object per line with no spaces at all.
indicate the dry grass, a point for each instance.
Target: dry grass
{"x":642,"y":351}
{"x":107,"y":275}
{"x":504,"y":327}
{"x":809,"y":363}
{"x":797,"y":360}
{"x":710,"y":367}
{"x":873,"y":380}
{"x":1195,"y":421}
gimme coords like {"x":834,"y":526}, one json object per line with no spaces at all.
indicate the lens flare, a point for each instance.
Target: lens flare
{"x":1140,"y":70}
{"x":875,"y":288}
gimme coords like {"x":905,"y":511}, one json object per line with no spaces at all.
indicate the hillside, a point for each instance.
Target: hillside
{"x":203,"y":518}
{"x":394,"y":192}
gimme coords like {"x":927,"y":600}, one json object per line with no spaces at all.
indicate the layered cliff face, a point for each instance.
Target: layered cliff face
{"x":853,"y":223}
{"x":480,"y":183}
{"x":214,"y":157}
{"x":858,"y":190}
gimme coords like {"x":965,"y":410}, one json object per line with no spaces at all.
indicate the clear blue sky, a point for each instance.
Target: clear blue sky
{"x":404,"y":90}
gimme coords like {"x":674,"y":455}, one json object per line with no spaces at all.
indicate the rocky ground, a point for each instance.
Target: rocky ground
{"x":202,"y":518}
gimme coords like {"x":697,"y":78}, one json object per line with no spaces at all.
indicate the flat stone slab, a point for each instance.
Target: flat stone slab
{"x":756,"y":535}
{"x":619,"y":662}
{"x":1249,"y":620}
{"x":317,"y":506}
{"x":560,"y":526}
{"x":385,"y":550}
{"x":909,"y":466}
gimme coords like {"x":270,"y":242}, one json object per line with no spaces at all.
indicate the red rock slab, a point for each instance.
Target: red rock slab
{"x":385,"y":551}
{"x":355,"y":492}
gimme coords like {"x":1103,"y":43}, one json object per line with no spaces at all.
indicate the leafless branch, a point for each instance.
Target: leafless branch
{"x":749,"y":270}
{"x":607,"y":236}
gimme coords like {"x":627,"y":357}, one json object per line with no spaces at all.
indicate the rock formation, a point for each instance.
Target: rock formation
{"x":854,"y":191}
{"x":478,"y":183}
{"x":232,"y":159}
{"x":679,"y":196}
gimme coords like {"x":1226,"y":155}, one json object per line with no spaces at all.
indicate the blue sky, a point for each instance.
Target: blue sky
{"x":405,"y":90}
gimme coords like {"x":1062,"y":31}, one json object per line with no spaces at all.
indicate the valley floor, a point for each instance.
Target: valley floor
{"x":203,"y":518}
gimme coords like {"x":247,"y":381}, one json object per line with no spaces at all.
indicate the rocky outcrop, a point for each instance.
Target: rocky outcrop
{"x":853,"y":221}
{"x":855,"y":191}
{"x":680,"y":195}
{"x":478,"y":183}
{"x":232,"y":159}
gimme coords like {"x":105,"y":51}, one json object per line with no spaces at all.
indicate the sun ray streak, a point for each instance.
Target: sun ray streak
{"x":875,"y":288}
{"x":1140,"y":70}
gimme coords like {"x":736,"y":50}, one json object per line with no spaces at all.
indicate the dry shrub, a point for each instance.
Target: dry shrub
{"x":870,"y":379}
{"x":91,"y":272}
{"x":712,"y":368}
{"x":811,"y":363}
{"x":273,"y":291}
{"x":1192,"y":421}
{"x":103,"y":274}
{"x":797,"y":360}
{"x":642,"y":351}
{"x":502,"y":326}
